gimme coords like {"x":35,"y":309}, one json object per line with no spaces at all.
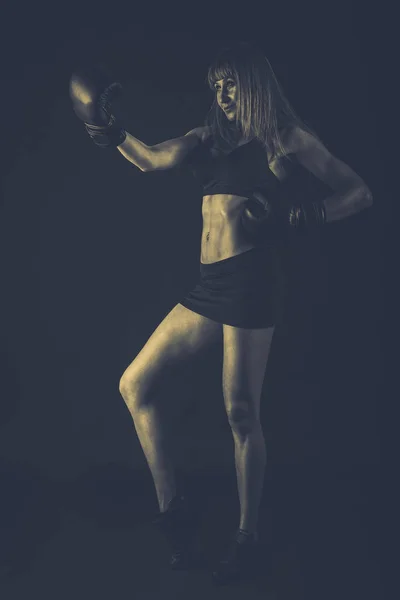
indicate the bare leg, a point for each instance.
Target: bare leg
{"x":153,"y":438}
{"x":250,"y":461}
{"x":246,"y":354}
{"x":180,"y":336}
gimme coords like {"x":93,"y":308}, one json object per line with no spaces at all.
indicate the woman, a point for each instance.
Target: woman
{"x":241,"y":155}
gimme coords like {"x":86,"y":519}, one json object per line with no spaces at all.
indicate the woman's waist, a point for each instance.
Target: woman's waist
{"x":222,"y":253}
{"x":223,"y":237}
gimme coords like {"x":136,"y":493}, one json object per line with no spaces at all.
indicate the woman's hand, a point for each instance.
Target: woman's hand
{"x":261,"y":218}
{"x":92,"y":92}
{"x":257,"y":216}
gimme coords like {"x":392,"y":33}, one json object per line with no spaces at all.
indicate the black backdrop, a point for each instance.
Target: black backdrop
{"x":94,"y":252}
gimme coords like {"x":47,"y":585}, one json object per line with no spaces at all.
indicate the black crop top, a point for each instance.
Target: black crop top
{"x":239,"y":172}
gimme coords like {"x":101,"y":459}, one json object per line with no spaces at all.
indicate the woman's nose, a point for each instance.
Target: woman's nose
{"x":224,"y":95}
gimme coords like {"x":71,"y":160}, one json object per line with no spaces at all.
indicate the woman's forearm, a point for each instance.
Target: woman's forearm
{"x":349,"y":202}
{"x":137,"y":152}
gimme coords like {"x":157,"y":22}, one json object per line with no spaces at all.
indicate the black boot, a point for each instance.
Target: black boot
{"x":240,"y":560}
{"x":179,"y":524}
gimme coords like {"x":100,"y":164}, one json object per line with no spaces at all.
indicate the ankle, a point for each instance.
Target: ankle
{"x":249,"y":533}
{"x":169,"y":502}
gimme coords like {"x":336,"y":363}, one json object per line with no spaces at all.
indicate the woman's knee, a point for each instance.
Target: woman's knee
{"x":132,"y":389}
{"x":242,"y":410}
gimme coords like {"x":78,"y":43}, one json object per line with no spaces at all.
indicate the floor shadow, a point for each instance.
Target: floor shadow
{"x":315,"y":525}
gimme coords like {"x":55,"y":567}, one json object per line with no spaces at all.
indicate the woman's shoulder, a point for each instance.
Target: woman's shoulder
{"x":296,"y":136}
{"x":287,"y":135}
{"x":199,"y":148}
{"x":203,"y":132}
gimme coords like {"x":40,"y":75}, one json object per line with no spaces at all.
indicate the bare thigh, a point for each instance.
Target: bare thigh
{"x":181,"y":335}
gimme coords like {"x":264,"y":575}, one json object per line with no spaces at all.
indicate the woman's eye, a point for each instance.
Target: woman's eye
{"x":229,"y":84}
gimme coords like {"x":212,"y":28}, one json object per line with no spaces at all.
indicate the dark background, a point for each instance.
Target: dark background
{"x":94,"y":253}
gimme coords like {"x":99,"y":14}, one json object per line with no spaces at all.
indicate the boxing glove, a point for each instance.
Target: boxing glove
{"x":262,"y":218}
{"x":92,"y":92}
{"x":257,"y":216}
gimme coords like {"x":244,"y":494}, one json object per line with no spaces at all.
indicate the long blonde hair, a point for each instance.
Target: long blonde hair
{"x":262,"y":108}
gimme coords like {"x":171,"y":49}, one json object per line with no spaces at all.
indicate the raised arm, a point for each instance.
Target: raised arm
{"x":92,"y":92}
{"x":165,"y":155}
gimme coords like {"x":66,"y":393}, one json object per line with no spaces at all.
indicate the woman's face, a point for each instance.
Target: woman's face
{"x":226,"y":92}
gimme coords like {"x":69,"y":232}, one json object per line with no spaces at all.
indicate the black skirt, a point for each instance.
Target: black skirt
{"x":247,"y":290}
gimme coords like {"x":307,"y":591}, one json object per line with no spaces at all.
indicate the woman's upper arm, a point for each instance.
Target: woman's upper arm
{"x":172,"y":153}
